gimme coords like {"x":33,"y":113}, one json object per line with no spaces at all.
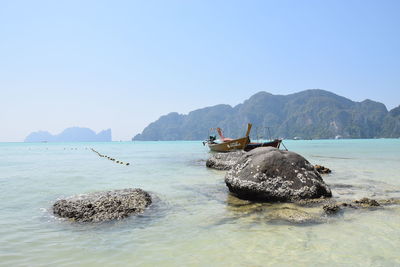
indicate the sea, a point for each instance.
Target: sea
{"x":194,"y":220}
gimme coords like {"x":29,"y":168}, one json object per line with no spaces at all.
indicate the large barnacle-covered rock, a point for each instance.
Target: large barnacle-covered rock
{"x":270,"y":174}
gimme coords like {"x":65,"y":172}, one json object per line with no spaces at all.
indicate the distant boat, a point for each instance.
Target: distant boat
{"x":228,"y":144}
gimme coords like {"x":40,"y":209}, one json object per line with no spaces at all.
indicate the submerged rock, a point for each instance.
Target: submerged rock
{"x":294,"y":216}
{"x":390,"y":201}
{"x":224,"y":161}
{"x":331,"y":208}
{"x":103,"y":206}
{"x":364,"y":203}
{"x":367,"y":202}
{"x":270,"y":174}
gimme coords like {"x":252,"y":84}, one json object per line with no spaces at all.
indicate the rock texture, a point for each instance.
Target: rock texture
{"x":103,"y":206}
{"x":270,"y":174}
{"x":224,"y":161}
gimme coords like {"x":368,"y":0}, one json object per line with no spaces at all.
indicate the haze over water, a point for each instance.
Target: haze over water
{"x":194,"y":220}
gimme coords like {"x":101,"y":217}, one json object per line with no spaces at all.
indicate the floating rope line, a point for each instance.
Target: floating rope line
{"x":109,"y":158}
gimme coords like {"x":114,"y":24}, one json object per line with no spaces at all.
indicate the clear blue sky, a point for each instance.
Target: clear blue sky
{"x":122,"y":64}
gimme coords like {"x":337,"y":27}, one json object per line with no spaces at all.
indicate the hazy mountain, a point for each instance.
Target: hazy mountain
{"x":73,"y":134}
{"x":312,"y":114}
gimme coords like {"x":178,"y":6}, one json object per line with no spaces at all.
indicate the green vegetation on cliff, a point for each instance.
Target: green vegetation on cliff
{"x":315,"y":114}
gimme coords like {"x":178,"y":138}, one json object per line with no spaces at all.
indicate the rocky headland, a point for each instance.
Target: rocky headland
{"x":309,"y":114}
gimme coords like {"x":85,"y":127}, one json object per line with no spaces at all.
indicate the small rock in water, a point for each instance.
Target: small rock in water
{"x":367,"y":202}
{"x":127,"y":164}
{"x":321,"y":169}
{"x":331,"y":208}
{"x":103,"y":206}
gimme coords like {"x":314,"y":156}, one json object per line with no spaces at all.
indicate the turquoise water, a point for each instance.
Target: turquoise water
{"x":194,"y":221}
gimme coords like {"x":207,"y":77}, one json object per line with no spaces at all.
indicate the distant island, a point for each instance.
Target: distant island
{"x":73,"y":134}
{"x":310,"y":114}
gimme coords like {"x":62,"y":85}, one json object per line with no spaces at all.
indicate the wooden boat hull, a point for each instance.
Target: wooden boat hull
{"x":275,"y":143}
{"x":236,"y":144}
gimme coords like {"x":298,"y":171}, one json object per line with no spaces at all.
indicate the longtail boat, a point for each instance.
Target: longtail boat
{"x":274,"y":143}
{"x":228,"y":144}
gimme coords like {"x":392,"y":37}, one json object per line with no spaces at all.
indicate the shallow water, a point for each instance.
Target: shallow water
{"x":194,"y":221}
